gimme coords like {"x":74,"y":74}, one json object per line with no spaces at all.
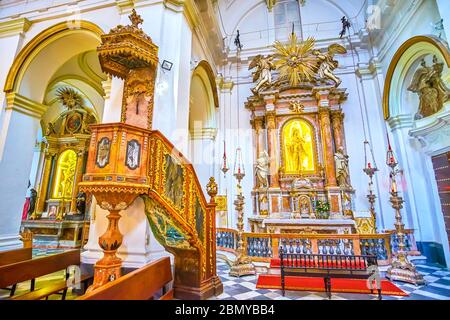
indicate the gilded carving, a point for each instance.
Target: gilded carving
{"x":428,"y":84}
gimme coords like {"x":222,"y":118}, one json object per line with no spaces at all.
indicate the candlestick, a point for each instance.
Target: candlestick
{"x":242,"y":265}
{"x":370,"y":172}
{"x":401,"y":268}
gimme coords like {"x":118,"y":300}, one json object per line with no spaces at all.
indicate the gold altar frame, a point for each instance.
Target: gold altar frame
{"x":314,"y":138}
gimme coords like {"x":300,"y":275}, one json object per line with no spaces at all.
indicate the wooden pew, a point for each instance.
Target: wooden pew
{"x":13,"y":256}
{"x":140,"y":284}
{"x":12,"y":274}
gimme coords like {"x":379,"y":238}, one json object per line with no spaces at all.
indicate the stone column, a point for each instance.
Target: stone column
{"x":327,"y":144}
{"x":337,"y":121}
{"x":20,"y":124}
{"x":76,"y":180}
{"x":272,"y":146}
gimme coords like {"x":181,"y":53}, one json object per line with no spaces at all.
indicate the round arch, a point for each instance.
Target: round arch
{"x":40,"y":54}
{"x":203,"y":96}
{"x":409,"y":52}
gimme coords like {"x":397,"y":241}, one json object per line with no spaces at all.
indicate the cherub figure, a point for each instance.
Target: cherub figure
{"x":326,"y":63}
{"x":262,"y":75}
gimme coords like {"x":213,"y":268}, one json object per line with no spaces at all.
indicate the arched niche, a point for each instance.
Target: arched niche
{"x":203,"y":99}
{"x":298,"y":140}
{"x":396,"y":99}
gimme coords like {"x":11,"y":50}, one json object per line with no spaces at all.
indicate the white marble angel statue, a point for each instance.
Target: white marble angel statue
{"x":262,"y":170}
{"x":342,"y":174}
{"x":326,"y":63}
{"x":262,"y":75}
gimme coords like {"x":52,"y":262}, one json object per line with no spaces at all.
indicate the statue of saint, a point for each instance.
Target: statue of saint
{"x":81,"y":203}
{"x":342,"y":173}
{"x":262,"y":170}
{"x":296,"y":155}
{"x":326,"y":63}
{"x":427,"y":83}
{"x":33,"y":197}
{"x":262,"y":75}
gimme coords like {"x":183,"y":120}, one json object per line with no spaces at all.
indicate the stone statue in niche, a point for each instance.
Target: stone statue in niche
{"x":327,"y":64}
{"x":262,"y":170}
{"x":262,"y":76}
{"x":342,"y":173}
{"x":427,"y":83}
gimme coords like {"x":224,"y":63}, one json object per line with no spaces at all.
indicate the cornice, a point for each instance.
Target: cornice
{"x":14,"y":27}
{"x":400,"y":121}
{"x":203,"y":134}
{"x":21,"y":104}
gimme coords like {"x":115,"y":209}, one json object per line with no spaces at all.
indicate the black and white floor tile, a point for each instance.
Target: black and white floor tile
{"x":244,"y":288}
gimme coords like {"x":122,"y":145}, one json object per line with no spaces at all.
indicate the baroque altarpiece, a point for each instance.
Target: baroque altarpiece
{"x":302,"y":182}
{"x":58,"y":209}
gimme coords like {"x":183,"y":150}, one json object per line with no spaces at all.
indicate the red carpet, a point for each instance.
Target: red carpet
{"x":273,"y":281}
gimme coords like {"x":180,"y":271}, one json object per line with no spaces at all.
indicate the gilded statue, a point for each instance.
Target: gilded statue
{"x":342,"y":173}
{"x":427,"y":83}
{"x":298,"y":147}
{"x":262,"y":75}
{"x":326,"y":63}
{"x":262,"y":170}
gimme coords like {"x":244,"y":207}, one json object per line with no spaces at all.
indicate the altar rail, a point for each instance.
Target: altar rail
{"x":261,"y":247}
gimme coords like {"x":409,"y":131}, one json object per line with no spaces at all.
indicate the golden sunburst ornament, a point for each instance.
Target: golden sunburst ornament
{"x":70,"y":98}
{"x":295,"y":60}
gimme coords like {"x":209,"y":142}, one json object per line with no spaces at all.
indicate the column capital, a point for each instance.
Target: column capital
{"x":24,"y":105}
{"x":224,"y":85}
{"x":14,"y":27}
{"x":188,"y":8}
{"x":203,"y":134}
{"x":125,"y":6}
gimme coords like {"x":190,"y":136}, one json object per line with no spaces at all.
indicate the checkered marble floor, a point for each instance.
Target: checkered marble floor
{"x":244,"y":288}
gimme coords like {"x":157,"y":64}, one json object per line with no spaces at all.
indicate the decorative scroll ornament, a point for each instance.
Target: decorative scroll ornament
{"x":296,"y":106}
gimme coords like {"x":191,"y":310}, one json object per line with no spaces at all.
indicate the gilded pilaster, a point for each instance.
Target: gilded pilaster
{"x":77,"y":179}
{"x":44,"y":182}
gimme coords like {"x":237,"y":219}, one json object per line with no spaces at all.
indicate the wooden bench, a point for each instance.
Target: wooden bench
{"x":326,"y":267}
{"x":140,"y":284}
{"x":15,"y":273}
{"x":13,"y":256}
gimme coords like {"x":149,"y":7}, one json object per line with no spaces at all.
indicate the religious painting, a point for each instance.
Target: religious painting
{"x":74,"y":122}
{"x":103,"y":149}
{"x":174,"y":180}
{"x":163,"y":227}
{"x":199,"y":219}
{"x":133,"y":154}
{"x":65,"y":173}
{"x":298,"y":147}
